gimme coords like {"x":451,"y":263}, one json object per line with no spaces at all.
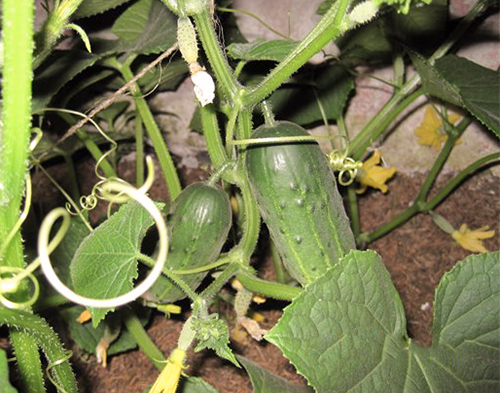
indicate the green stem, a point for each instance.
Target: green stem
{"x":95,"y":151}
{"x":171,"y":276}
{"x":139,"y":152}
{"x":267,"y":288}
{"x":52,"y":29}
{"x":327,"y":29}
{"x":166,"y":163}
{"x":44,"y":337}
{"x":450,"y":186}
{"x":213,"y":49}
{"x":17,"y":38}
{"x":354,"y":209}
{"x":141,"y":337}
{"x":73,"y":182}
{"x":441,"y":159}
{"x":424,"y":207}
{"x":251,"y":225}
{"x":213,"y":139}
{"x":379,"y":123}
{"x":216,"y":285}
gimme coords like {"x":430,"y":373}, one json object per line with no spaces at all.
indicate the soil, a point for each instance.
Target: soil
{"x":416,"y":254}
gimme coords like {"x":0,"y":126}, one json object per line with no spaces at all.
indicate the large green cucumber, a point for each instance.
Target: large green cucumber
{"x":199,"y":224}
{"x":299,"y":201}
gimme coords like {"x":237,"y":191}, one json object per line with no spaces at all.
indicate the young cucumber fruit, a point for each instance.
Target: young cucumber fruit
{"x":299,"y":201}
{"x":199,"y":225}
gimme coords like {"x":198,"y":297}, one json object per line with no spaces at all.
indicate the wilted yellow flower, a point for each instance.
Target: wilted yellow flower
{"x":84,"y":316}
{"x":431,"y":132}
{"x":471,"y":240}
{"x":169,"y":378}
{"x":373,"y":175}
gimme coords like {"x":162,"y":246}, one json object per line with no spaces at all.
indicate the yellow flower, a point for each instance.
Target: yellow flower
{"x":169,"y":378}
{"x":471,"y":240}
{"x":373,"y":175}
{"x":84,"y":316}
{"x":431,"y":132}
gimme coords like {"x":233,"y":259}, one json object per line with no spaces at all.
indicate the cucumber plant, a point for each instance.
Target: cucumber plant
{"x":343,"y":305}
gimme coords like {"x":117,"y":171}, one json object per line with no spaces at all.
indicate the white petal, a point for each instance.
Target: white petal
{"x":204,"y":87}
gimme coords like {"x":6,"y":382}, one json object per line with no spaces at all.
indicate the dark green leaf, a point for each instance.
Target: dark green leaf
{"x":5,"y":386}
{"x":300,"y":103}
{"x":105,"y":264}
{"x":273,"y":50}
{"x":60,"y":68}
{"x":94,"y":7}
{"x":478,"y":87}
{"x":324,"y":6}
{"x":346,"y":332}
{"x":164,"y":78}
{"x":264,"y":381}
{"x":146,"y":27}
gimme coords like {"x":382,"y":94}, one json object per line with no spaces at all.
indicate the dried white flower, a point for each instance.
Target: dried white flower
{"x":204,"y":86}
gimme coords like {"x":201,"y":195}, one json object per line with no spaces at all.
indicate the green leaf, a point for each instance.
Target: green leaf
{"x":298,"y":103}
{"x":164,"y":78}
{"x":105,"y":264}
{"x":62,"y":67}
{"x":87,"y":337}
{"x":213,"y":333}
{"x":478,"y":87}
{"x":5,"y":386}
{"x":346,"y":332}
{"x":264,"y":381}
{"x":146,"y":27}
{"x":195,"y":385}
{"x":94,"y":7}
{"x":273,"y":50}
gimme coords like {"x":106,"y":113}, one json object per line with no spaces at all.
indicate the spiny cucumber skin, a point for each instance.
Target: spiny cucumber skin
{"x":199,"y":225}
{"x":299,"y":201}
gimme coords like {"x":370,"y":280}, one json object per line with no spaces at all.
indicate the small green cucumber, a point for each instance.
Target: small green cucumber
{"x":199,"y":224}
{"x":299,"y":201}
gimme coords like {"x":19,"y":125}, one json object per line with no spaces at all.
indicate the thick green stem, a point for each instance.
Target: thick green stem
{"x":213,"y":139}
{"x":146,"y":344}
{"x":166,"y":163}
{"x":45,"y":338}
{"x":327,"y":29}
{"x":251,"y":225}
{"x":354,"y":210}
{"x":139,"y":152}
{"x":216,"y":285}
{"x":383,"y":119}
{"x":17,"y":26}
{"x":267,"y":288}
{"x":213,"y":49}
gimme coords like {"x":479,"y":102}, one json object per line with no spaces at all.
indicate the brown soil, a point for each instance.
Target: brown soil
{"x":416,"y":254}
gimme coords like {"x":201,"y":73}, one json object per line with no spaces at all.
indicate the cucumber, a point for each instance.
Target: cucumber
{"x":299,"y":202}
{"x":199,"y":224}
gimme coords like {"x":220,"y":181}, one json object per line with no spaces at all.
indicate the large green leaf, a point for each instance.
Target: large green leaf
{"x":5,"y":386}
{"x":62,"y":67}
{"x":105,"y":264}
{"x":264,"y":381}
{"x":94,"y":7}
{"x":300,"y":102}
{"x":478,"y":86}
{"x":195,"y":385}
{"x":273,"y":50}
{"x":463,"y":83}
{"x":346,"y":332}
{"x":146,"y":27}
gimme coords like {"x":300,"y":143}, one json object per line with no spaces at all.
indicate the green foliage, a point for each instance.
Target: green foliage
{"x":464,"y":83}
{"x":264,"y":381}
{"x":105,"y":263}
{"x":195,"y":385}
{"x":273,"y":50}
{"x":146,"y":27}
{"x":212,"y":332}
{"x":353,"y":320}
{"x":94,"y":7}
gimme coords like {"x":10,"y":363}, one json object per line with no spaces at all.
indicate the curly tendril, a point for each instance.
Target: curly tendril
{"x":109,"y":188}
{"x":339,"y":161}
